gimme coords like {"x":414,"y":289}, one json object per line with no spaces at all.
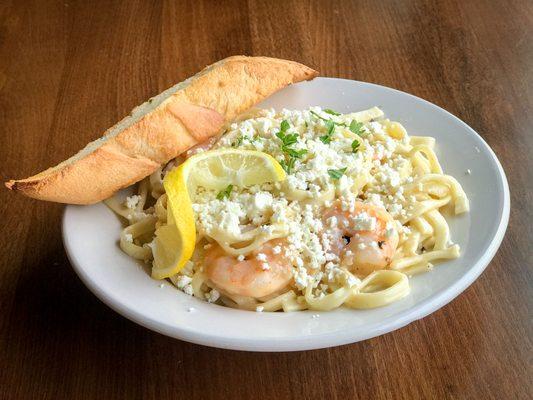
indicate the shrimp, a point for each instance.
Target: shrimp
{"x":264,"y":272}
{"x":370,"y":233}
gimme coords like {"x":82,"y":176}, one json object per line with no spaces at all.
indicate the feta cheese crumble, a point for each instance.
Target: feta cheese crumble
{"x":132,"y":201}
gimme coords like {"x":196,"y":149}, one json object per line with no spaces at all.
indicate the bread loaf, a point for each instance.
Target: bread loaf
{"x":163,"y":127}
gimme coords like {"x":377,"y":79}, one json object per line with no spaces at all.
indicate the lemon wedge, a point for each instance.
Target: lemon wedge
{"x":216,"y":169}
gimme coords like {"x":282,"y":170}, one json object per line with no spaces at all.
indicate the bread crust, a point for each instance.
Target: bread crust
{"x":135,"y":147}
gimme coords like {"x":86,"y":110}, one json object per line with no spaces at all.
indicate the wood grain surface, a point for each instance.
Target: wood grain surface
{"x":70,"y":69}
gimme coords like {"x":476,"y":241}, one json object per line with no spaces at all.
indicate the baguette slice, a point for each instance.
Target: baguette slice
{"x":163,"y":127}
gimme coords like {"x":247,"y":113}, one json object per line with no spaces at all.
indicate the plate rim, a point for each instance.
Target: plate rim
{"x":403,"y":318}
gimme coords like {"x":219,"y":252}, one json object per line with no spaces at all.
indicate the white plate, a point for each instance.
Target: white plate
{"x":90,"y":236}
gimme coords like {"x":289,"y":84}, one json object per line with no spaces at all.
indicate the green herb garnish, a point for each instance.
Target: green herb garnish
{"x":330,"y":111}
{"x":330,"y":125}
{"x":225,"y":193}
{"x":287,"y":140}
{"x":336,"y":173}
{"x":294,"y":153}
{"x":355,"y":145}
{"x":288,"y":165}
{"x":284,"y":125}
{"x":356,"y":127}
{"x":319,"y":117}
{"x":327,"y":119}
{"x":329,"y":122}
{"x":238,"y":142}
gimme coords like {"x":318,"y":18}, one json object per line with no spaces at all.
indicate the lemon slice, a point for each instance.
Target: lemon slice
{"x":219,"y":168}
{"x":174,"y":242}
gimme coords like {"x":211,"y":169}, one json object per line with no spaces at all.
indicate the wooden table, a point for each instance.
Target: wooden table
{"x":69,"y":69}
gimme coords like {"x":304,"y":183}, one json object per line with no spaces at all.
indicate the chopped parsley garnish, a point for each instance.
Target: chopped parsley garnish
{"x":288,"y":165}
{"x":319,"y":117}
{"x":287,"y":140}
{"x":225,"y":193}
{"x":330,"y":111}
{"x":356,"y":127}
{"x":294,"y":153}
{"x":355,"y":145}
{"x":336,"y":173}
{"x":238,"y":142}
{"x":330,"y":125}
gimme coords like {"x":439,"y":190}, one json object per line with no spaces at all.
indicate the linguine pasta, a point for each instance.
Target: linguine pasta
{"x":335,"y":163}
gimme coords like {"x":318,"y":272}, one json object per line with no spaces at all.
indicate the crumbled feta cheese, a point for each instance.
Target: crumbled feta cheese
{"x":364,"y":222}
{"x":300,"y":278}
{"x":331,"y":257}
{"x":183,"y":280}
{"x":262,"y":200}
{"x":212,"y":296}
{"x":230,"y":223}
{"x":132,"y":201}
{"x":395,"y":209}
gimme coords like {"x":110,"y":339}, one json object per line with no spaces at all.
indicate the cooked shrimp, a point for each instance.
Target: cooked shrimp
{"x":370,"y":233}
{"x":264,"y":272}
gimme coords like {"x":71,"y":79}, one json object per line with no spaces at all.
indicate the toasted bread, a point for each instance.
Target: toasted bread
{"x":162,"y":128}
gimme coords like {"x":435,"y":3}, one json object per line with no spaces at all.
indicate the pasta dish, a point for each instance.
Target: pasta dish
{"x":296,"y":209}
